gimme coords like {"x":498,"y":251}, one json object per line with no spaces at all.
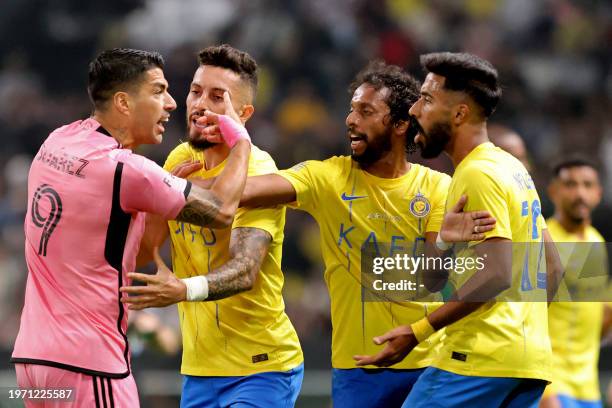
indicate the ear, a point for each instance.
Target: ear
{"x":401,"y":127}
{"x":246,"y":112}
{"x":599,"y":194}
{"x":460,"y":113}
{"x":121,"y":102}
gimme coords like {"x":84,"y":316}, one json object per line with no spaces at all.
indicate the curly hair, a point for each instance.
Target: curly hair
{"x":404,"y":92}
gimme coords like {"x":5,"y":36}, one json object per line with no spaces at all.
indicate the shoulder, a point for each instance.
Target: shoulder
{"x":179,"y":154}
{"x":261,"y":162}
{"x":433,"y":177}
{"x":594,"y":235}
{"x":134,"y":161}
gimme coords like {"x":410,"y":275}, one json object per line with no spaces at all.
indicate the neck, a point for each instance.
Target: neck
{"x":572,"y":226}
{"x":392,"y":165}
{"x":467,"y":139}
{"x":215,"y":155}
{"x":118,"y":131}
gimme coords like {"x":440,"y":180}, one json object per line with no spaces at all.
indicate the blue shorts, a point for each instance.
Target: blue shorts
{"x":371,"y":388}
{"x":442,"y":389}
{"x":570,"y":402}
{"x":275,"y":389}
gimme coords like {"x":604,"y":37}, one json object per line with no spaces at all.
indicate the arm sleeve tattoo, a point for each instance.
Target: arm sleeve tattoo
{"x":201,"y":207}
{"x":248,"y":247}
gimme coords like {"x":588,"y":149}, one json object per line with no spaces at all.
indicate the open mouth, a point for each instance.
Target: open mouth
{"x":357,"y":140}
{"x":161,"y":124}
{"x":194,"y":121}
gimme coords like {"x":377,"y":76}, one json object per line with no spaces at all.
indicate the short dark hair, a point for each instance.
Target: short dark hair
{"x":571,"y":162}
{"x":226,"y":56}
{"x":114,"y":69}
{"x":467,"y":73}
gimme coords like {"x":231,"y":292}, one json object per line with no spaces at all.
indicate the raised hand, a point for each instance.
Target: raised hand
{"x":226,"y":127}
{"x":163,"y":288}
{"x":186,"y":168}
{"x":460,"y":226}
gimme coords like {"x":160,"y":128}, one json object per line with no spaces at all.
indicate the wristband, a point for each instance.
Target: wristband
{"x":441,"y":244}
{"x":422,"y":329}
{"x":197,"y":288}
{"x":231,"y":131}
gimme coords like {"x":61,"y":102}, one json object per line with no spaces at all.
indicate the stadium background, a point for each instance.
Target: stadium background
{"x":554,"y":58}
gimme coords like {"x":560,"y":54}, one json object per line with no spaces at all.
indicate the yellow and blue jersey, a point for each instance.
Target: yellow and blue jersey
{"x":502,"y":339}
{"x":575,"y":327}
{"x":246,"y":333}
{"x":355,"y":209}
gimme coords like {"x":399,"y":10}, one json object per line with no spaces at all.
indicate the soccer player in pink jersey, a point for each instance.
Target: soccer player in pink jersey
{"x":87,"y":198}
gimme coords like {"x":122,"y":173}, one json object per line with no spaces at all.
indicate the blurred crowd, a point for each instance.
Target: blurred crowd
{"x":553,"y":57}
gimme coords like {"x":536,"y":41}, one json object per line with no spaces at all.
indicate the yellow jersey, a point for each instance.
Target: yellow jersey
{"x":353,"y":209}
{"x":502,"y":339}
{"x":575,"y":329}
{"x":246,"y":333}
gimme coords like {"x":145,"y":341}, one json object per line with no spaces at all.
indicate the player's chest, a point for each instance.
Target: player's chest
{"x":194,"y":236}
{"x":361,"y":215}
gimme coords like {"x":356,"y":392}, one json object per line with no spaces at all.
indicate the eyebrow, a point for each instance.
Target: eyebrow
{"x":425,"y":93}
{"x":160,"y":85}
{"x":363,"y":104}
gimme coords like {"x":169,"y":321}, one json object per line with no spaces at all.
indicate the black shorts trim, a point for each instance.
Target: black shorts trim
{"x":81,"y":370}
{"x":105,"y":393}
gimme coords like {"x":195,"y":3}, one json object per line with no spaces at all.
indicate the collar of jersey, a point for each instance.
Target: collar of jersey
{"x":390,"y":182}
{"x":204,"y":172}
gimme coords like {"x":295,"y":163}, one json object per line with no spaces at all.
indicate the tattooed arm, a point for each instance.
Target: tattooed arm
{"x":216,"y":207}
{"x":248,"y":247}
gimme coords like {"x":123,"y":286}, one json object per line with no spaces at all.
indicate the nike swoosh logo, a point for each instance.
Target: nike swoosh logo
{"x":349,"y":198}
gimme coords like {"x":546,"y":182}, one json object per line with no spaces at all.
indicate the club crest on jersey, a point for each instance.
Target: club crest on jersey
{"x":419,"y":206}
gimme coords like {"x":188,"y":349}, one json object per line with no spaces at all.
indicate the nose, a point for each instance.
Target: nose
{"x":200,"y":103}
{"x":413,"y":109}
{"x":351,"y":120}
{"x":581,"y":192}
{"x":170,"y":103}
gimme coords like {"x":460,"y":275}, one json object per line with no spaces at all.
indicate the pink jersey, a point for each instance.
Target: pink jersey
{"x":87,"y":198}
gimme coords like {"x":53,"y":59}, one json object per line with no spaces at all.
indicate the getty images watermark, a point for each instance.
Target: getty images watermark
{"x":420,"y":272}
{"x":407,"y":265}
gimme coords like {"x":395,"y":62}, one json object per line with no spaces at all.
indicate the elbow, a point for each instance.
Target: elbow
{"x":224,"y":219}
{"x":246,"y":196}
{"x":503,"y":280}
{"x":248,"y":285}
{"x":251,"y":277}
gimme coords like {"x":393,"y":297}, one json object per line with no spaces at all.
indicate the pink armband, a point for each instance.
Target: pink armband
{"x":231,"y":131}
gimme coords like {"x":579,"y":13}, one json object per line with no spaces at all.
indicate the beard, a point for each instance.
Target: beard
{"x":435,"y":140}
{"x":376,"y":147}
{"x":198,"y":144}
{"x":194,"y":139}
{"x":575,"y":215}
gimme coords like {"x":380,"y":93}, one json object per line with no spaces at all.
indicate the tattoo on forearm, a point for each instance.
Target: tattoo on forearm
{"x":201,"y":208}
{"x":248,"y":247}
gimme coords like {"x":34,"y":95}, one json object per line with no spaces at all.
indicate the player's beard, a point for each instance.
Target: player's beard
{"x":435,"y":140}
{"x":572,"y":212}
{"x":376,"y":147}
{"x":196,"y":140}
